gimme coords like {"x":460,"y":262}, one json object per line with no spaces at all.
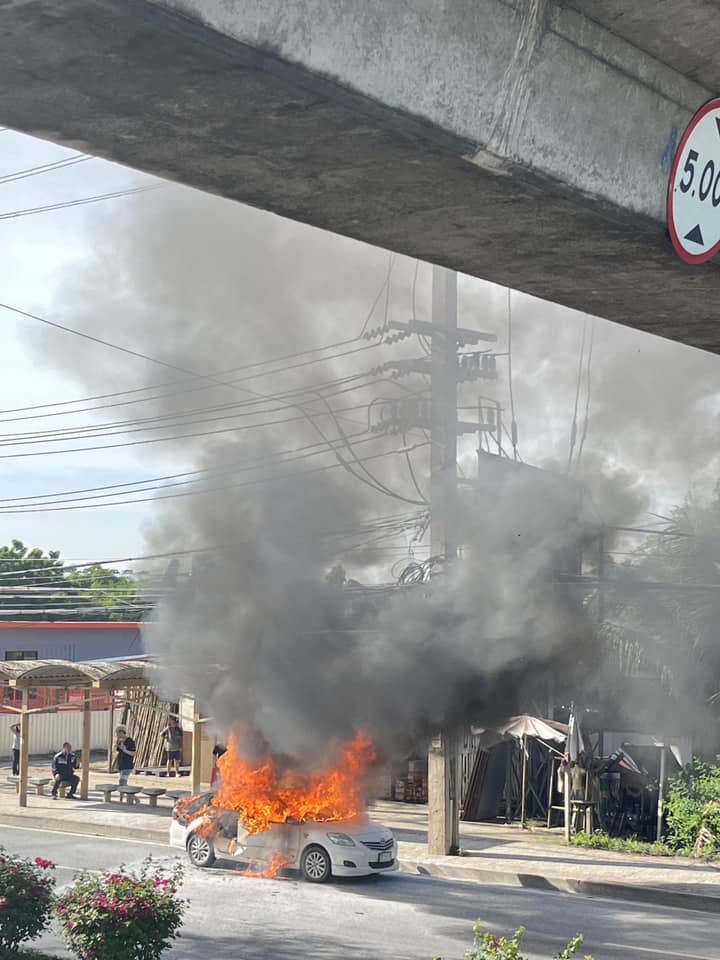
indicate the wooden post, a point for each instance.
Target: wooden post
{"x":111,"y":735}
{"x":24,"y":748}
{"x":523,"y":796}
{"x":196,"y":749}
{"x":86,"y":730}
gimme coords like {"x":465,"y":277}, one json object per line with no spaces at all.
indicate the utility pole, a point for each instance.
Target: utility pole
{"x":443,"y":759}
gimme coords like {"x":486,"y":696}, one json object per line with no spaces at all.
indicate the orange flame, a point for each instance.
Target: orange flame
{"x":275,"y":863}
{"x":262,"y":795}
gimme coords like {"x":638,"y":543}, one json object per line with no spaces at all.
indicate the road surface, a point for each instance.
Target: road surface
{"x":394,"y":917}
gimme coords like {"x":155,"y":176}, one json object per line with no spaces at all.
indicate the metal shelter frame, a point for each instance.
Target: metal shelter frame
{"x":27,"y":675}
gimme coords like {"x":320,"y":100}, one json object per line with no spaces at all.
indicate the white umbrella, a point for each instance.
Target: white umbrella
{"x":520,"y":728}
{"x":575,"y":745}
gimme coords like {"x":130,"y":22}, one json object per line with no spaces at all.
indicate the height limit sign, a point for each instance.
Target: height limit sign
{"x":693,"y":204}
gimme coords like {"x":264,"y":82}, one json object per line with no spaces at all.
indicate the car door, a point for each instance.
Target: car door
{"x":281,"y":838}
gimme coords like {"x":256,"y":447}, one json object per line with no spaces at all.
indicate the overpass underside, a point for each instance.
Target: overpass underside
{"x":515,"y":140}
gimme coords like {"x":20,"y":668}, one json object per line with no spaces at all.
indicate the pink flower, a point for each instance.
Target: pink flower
{"x":44,"y":864}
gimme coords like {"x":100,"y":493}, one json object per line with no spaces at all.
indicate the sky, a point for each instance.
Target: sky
{"x":38,"y":252}
{"x":112,"y":268}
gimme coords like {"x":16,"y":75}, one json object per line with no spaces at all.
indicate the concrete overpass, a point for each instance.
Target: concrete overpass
{"x":524,"y":141}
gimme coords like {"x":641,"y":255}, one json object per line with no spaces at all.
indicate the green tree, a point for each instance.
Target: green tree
{"x":35,"y":585}
{"x":22,"y":566}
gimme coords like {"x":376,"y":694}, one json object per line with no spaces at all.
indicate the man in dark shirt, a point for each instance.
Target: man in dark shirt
{"x":125,"y":756}
{"x":64,"y":765}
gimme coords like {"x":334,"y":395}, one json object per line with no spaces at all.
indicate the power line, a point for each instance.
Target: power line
{"x":588,"y":389}
{"x":167,"y":439}
{"x":120,"y":428}
{"x":183,"y":370}
{"x":11,"y":505}
{"x":573,"y":425}
{"x":193,"y":551}
{"x":47,"y":208}
{"x":210,"y":490}
{"x":45,"y":168}
{"x":167,"y":383}
{"x":231,"y":468}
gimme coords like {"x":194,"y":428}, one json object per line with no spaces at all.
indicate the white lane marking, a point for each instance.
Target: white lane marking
{"x":85,"y":836}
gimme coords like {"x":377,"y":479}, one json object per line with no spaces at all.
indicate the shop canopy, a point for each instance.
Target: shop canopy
{"x":27,"y":675}
{"x":67,"y":674}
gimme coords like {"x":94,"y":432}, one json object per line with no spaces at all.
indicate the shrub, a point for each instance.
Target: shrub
{"x":693,"y":815}
{"x":26,"y":898}
{"x":488,"y":946}
{"x":123,"y":915}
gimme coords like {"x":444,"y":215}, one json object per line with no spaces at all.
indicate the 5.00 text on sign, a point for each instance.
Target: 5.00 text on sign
{"x":693,"y":203}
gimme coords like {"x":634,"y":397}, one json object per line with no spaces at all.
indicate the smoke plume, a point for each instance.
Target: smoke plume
{"x":255,"y":627}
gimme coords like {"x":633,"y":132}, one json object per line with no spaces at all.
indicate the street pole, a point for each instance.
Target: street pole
{"x":443,"y":781}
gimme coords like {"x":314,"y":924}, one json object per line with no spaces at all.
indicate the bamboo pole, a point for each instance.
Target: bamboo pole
{"x":24,"y":748}
{"x":523,"y":797}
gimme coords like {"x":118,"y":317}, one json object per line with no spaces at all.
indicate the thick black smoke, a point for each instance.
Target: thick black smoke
{"x":255,"y":629}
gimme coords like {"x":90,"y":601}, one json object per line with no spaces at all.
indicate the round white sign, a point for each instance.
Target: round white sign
{"x":693,"y":201}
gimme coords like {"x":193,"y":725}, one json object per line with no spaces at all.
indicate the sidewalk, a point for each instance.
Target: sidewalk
{"x":498,"y":854}
{"x":491,"y":853}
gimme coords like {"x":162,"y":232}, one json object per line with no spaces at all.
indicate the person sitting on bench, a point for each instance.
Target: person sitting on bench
{"x":64,"y":766}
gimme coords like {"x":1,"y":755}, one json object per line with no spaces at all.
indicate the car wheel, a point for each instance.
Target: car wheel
{"x":200,"y":850}
{"x":315,"y":865}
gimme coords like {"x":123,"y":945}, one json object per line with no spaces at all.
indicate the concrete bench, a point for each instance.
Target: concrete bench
{"x":40,"y":783}
{"x":16,"y":781}
{"x":63,"y":788}
{"x":177,"y":794}
{"x":129,"y":794}
{"x":107,"y":790}
{"x":152,"y":793}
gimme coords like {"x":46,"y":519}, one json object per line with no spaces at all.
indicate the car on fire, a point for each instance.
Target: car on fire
{"x":319,"y":851}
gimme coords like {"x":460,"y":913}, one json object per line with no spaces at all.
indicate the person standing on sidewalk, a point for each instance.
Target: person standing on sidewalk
{"x":64,"y":766}
{"x":125,"y":755}
{"x":15,"y":733}
{"x":173,"y":737}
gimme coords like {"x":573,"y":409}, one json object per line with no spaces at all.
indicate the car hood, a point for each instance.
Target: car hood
{"x":359,"y":829}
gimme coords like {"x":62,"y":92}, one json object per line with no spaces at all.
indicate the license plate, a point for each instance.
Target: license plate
{"x":385,"y":857}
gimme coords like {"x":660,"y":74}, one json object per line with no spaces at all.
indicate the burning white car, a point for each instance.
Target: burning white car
{"x":351,"y":848}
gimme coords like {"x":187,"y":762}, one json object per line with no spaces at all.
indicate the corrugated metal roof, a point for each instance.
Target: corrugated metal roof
{"x":67,"y":673}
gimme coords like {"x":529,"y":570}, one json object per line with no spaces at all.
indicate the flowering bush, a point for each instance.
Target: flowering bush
{"x":123,"y":915}
{"x":490,"y":947}
{"x":26,"y":897}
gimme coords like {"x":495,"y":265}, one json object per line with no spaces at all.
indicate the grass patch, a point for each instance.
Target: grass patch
{"x":601,"y":841}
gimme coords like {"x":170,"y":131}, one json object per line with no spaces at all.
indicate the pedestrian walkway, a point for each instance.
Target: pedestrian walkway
{"x":497,"y":853}
{"x":490,"y":853}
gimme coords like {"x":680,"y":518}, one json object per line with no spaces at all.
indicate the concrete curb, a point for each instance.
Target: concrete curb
{"x":101,"y":830}
{"x":589,"y":888}
{"x":467,"y":872}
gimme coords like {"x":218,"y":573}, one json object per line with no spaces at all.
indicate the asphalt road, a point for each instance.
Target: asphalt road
{"x":398,"y":917}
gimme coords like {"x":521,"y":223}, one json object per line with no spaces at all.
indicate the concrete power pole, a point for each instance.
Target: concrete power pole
{"x":443,"y":780}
